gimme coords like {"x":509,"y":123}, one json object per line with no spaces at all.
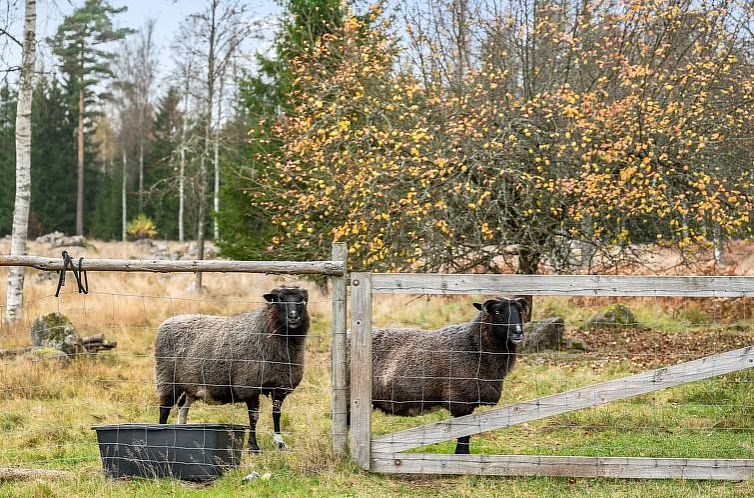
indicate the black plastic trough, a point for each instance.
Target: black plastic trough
{"x":192,"y":452}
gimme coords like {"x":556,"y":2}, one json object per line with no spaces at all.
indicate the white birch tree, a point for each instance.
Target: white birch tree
{"x":15,"y":296}
{"x":186,"y":73}
{"x":145,"y":73}
{"x":213,"y":36}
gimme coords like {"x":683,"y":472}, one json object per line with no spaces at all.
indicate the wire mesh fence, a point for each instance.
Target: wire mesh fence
{"x":621,"y":391}
{"x":48,"y":405}
{"x":49,"y":401}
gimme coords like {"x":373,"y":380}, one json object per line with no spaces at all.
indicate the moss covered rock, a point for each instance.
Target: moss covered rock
{"x":47,"y":354}
{"x":543,"y":335}
{"x":612,"y":316}
{"x":56,"y":331}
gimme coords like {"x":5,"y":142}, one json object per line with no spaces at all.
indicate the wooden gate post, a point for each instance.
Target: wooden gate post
{"x":339,"y":406}
{"x":361,"y":368}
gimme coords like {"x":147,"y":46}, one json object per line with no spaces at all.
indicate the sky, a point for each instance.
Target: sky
{"x":168,"y":14}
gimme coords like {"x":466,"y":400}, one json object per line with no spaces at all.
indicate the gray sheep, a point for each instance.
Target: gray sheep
{"x":459,"y":367}
{"x":234,"y":359}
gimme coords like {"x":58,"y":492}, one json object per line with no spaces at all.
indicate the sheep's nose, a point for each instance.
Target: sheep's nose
{"x":293,"y":314}
{"x":518,"y":329}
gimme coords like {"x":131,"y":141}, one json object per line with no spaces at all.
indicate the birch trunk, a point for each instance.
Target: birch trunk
{"x":182,"y":173}
{"x":181,"y":189}
{"x":15,"y":296}
{"x":216,"y":195}
{"x":141,"y":171}
{"x":197,"y":286}
{"x":80,"y":182}
{"x":203,"y":204}
{"x":123,"y":197}
{"x":216,"y":199}
{"x":718,"y":249}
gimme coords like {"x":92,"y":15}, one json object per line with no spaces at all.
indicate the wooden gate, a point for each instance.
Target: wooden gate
{"x":384,"y":454}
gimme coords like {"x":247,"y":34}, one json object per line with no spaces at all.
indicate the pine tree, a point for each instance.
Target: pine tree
{"x":78,"y":45}
{"x":7,"y":156}
{"x":162,"y":200}
{"x":53,"y":160}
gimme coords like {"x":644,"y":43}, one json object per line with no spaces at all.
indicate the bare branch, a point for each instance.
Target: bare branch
{"x":13,"y":38}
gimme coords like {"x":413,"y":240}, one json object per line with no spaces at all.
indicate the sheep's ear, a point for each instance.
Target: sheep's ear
{"x":478,"y":306}
{"x":523,"y":303}
{"x":488,"y":303}
{"x":270,"y":298}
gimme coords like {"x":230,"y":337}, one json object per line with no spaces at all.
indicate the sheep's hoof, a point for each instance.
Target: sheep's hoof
{"x":255,"y":451}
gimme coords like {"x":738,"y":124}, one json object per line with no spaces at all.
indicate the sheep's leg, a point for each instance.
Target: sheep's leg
{"x":184,"y":409}
{"x":462,"y":446}
{"x":164,"y":413}
{"x":166,"y":404}
{"x":277,"y":403}
{"x":252,"y":405}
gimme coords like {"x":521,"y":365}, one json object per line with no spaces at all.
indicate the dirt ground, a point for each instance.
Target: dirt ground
{"x":650,"y":348}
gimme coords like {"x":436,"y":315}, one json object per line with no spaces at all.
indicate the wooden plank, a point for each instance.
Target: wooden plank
{"x":563,"y":285}
{"x":577,"y":399}
{"x":565,"y":466}
{"x":339,"y":407}
{"x":361,"y":368}
{"x":15,"y":474}
{"x":190,"y":266}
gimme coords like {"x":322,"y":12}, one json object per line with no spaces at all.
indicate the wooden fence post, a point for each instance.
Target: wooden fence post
{"x":361,"y":368}
{"x":339,"y":406}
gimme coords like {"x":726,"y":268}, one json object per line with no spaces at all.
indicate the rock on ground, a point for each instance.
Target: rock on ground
{"x":59,"y":239}
{"x":612,"y":316}
{"x":543,"y":334}
{"x":56,"y":331}
{"x":46,"y":354}
{"x":210,"y":251}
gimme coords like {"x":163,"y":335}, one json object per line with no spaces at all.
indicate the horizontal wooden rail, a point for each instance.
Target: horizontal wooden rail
{"x":563,"y":285}
{"x":569,"y":401}
{"x":335,"y":268}
{"x":565,"y":466}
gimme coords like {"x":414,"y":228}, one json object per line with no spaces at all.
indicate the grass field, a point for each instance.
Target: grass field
{"x":47,"y":408}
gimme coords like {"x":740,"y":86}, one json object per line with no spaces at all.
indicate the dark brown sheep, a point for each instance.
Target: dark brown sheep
{"x":234,"y":359}
{"x":458,"y":368}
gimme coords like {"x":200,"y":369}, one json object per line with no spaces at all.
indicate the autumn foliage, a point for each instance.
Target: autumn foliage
{"x":633,"y":124}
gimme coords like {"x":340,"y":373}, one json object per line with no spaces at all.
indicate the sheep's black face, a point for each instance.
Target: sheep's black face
{"x":291,"y":304}
{"x":506,"y":316}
